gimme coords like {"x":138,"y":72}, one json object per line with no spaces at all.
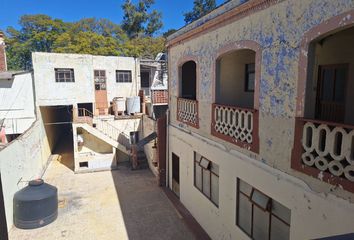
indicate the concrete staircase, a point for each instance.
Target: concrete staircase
{"x":103,"y":130}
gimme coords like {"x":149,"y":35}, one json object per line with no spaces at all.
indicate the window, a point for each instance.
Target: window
{"x":100,"y":79}
{"x":206,"y":177}
{"x":145,"y":79}
{"x":250,"y":77}
{"x":259,"y":216}
{"x":124,"y":76}
{"x":64,"y":75}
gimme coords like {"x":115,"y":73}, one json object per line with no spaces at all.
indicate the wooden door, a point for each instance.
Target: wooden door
{"x":101,"y":92}
{"x":175,"y":174}
{"x":331,"y":93}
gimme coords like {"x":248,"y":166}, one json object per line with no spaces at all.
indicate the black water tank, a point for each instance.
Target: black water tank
{"x":35,"y":205}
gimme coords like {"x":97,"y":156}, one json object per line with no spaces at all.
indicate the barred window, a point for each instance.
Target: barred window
{"x":123,"y":76}
{"x":100,"y":79}
{"x":259,"y":216}
{"x":64,"y":75}
{"x":206,"y":177}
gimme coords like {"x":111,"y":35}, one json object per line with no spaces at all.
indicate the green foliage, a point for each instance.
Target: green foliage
{"x":41,"y":33}
{"x":200,"y":8}
{"x":146,"y":47}
{"x":137,"y":21}
{"x":38,"y":33}
{"x":169,"y":32}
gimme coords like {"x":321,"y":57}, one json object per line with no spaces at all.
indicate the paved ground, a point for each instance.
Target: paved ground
{"x":121,"y":204}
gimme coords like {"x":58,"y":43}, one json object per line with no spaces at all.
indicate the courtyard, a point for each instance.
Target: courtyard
{"x":121,"y":204}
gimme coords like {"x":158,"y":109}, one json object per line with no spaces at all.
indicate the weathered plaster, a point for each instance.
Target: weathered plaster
{"x":279,"y":31}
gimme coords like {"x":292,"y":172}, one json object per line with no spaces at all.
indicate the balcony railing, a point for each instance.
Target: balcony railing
{"x":159,"y":96}
{"x":325,"y":150}
{"x":187,"y":112}
{"x":236,"y":125}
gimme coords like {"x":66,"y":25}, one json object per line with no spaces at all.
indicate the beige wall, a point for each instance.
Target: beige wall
{"x":335,"y":49}
{"x":82,"y":90}
{"x":279,"y":31}
{"x":230,"y":79}
{"x":312,"y":215}
{"x":318,"y":209}
{"x":23,"y":160}
{"x":93,"y":144}
{"x":149,"y":126}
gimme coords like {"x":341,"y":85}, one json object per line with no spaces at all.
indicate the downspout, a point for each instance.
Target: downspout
{"x":136,"y":77}
{"x":168,"y":147}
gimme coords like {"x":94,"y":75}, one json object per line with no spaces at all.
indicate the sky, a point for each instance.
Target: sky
{"x":73,"y":10}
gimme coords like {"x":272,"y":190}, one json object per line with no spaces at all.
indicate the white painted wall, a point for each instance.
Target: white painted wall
{"x":22,"y":160}
{"x":50,"y":93}
{"x":313,"y":215}
{"x":17,"y":103}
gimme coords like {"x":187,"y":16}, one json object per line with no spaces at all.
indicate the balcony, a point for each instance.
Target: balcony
{"x":187,"y":112}
{"x":159,"y":97}
{"x":236,"y":125}
{"x":325,"y":150}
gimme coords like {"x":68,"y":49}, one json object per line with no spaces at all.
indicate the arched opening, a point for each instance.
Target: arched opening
{"x":187,"y":104}
{"x":234,"y":115}
{"x":188,"y":88}
{"x":325,"y":104}
{"x":235,"y":78}
{"x":330,"y":83}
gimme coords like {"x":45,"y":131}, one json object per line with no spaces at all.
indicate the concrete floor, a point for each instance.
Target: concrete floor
{"x":121,"y":204}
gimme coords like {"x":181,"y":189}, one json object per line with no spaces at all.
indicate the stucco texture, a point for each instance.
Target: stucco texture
{"x":279,"y":31}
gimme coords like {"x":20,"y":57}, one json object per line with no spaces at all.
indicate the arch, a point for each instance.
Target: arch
{"x":181,"y":62}
{"x":235,"y":46}
{"x":332,"y":25}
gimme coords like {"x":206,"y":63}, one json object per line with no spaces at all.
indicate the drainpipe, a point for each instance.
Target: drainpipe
{"x":136,"y":76}
{"x":167,"y":148}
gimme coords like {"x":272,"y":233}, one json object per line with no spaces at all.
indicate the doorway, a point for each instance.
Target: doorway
{"x":175,"y":174}
{"x":332,"y":82}
{"x":101,"y":92}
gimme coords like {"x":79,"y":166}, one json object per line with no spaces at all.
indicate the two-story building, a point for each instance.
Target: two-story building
{"x":261,"y":124}
{"x":81,"y":97}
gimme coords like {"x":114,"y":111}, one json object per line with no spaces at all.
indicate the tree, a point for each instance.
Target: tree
{"x":87,"y":43}
{"x":200,"y":8}
{"x":169,"y":32}
{"x":37,"y":33}
{"x":137,"y":21}
{"x":145,"y":47}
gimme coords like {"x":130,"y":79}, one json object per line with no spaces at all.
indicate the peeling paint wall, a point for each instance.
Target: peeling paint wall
{"x":22,"y":160}
{"x":50,"y":93}
{"x":312,"y":215}
{"x":279,"y":30}
{"x":17,"y":103}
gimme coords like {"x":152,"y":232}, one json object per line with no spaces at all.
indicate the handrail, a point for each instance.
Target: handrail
{"x":235,"y":107}
{"x":86,"y":113}
{"x":335,"y":124}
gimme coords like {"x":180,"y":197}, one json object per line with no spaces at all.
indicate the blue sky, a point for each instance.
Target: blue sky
{"x":72,"y":10}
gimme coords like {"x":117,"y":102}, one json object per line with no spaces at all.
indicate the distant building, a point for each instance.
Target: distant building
{"x":261,"y":129}
{"x":88,"y":100}
{"x":17,"y":111}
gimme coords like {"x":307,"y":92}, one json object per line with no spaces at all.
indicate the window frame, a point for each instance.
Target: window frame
{"x":253,"y":204}
{"x":247,"y":77}
{"x":124,"y":73}
{"x":209,"y":169}
{"x":100,"y":79}
{"x":64,"y":71}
